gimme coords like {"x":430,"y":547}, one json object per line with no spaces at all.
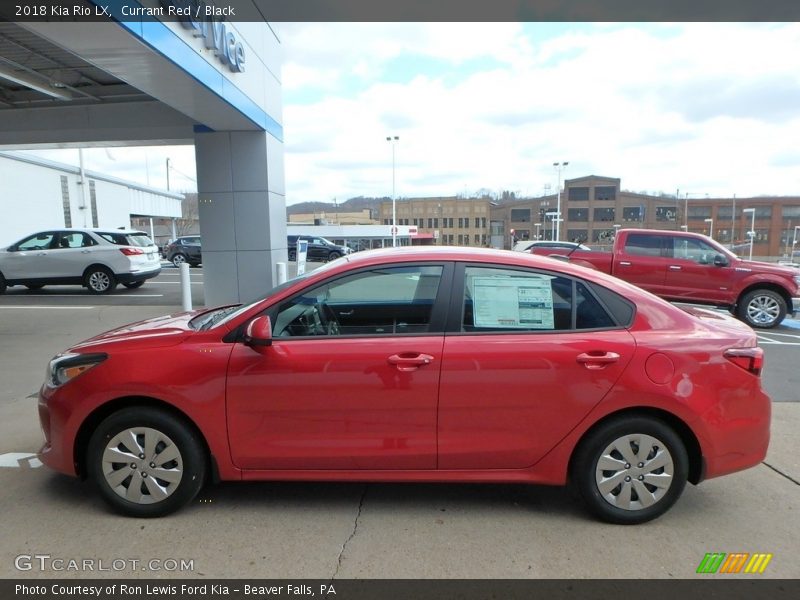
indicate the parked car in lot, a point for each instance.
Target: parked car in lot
{"x":529,"y":245}
{"x":689,"y":267}
{"x":97,"y":259}
{"x":437,"y":364}
{"x":319,"y":249}
{"x":186,"y":249}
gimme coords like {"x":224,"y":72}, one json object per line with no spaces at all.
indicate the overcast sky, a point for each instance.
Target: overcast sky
{"x":705,"y":108}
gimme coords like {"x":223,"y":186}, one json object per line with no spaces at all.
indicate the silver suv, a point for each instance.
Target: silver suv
{"x":97,"y":259}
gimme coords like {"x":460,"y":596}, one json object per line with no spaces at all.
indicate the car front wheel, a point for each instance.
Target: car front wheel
{"x":333,"y":255}
{"x":100,"y":280}
{"x":762,"y":309}
{"x":630,"y":470}
{"x":178,"y":259}
{"x":146,"y":462}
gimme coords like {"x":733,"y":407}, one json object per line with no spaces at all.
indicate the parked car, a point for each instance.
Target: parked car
{"x":437,"y":364}
{"x":97,"y":259}
{"x":319,"y":249}
{"x":529,"y":245}
{"x":186,"y":249}
{"x":689,"y":267}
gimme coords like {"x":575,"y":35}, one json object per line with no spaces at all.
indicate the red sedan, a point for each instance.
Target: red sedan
{"x":436,"y":364}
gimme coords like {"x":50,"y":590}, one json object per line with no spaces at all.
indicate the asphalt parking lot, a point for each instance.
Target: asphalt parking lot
{"x":325,"y":531}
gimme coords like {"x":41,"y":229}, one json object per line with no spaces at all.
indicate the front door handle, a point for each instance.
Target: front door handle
{"x":409,"y":361}
{"x":597,"y":359}
{"x":674,"y":268}
{"x":625,"y":263}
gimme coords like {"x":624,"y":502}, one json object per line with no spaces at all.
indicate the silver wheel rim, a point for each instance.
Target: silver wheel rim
{"x":634,"y":472}
{"x":763,"y":309}
{"x":178,"y":259}
{"x":99,"y":281}
{"x":142,"y":465}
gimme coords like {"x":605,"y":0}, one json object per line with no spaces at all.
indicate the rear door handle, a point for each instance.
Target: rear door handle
{"x":674,"y":268}
{"x":597,"y":359}
{"x":409,"y":361}
{"x":625,"y":263}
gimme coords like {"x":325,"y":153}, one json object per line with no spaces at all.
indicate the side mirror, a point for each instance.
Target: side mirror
{"x":720,"y":261}
{"x":258,"y":334}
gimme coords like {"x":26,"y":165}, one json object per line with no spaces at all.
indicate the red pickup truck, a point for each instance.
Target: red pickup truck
{"x":688,"y":267}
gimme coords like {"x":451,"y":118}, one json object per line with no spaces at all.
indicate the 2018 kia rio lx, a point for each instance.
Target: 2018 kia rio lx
{"x":435,"y":364}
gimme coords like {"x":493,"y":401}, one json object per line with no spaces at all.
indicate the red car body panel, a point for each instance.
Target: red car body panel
{"x":488,"y":407}
{"x":681,"y":279}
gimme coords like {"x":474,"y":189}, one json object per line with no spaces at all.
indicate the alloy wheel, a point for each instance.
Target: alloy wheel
{"x":99,"y":281}
{"x":763,"y":309}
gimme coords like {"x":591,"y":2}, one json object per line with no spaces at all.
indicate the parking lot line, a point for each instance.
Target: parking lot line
{"x":79,"y":296}
{"x":50,"y":307}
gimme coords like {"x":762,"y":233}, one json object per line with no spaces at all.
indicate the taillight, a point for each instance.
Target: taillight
{"x":131,"y":251}
{"x":750,"y":359}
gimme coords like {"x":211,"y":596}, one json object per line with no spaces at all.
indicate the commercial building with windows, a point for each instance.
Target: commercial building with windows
{"x":448,"y":221}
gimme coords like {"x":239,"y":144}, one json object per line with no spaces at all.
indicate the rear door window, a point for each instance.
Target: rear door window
{"x":642,"y":244}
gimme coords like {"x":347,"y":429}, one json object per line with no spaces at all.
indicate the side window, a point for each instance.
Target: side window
{"x":508,"y":300}
{"x":384,"y":301}
{"x":694,"y":250}
{"x":40,"y":241}
{"x":74,"y":239}
{"x":642,"y":244}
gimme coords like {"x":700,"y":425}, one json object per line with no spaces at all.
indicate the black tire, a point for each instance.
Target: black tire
{"x":133,"y":285}
{"x":292,"y":255}
{"x":608,"y":504}
{"x":178,"y":259}
{"x":333,"y":256}
{"x":174,"y":435}
{"x":761,"y":309}
{"x":3,"y":284}
{"x":99,"y":280}
{"x":34,"y":286}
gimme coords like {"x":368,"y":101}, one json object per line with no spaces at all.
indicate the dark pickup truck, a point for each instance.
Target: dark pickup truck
{"x":688,"y":267}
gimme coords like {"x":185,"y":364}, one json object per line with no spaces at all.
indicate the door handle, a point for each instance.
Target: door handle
{"x":597,"y":359}
{"x":349,"y":313}
{"x":409,"y":361}
{"x":41,"y":254}
{"x":674,"y":268}
{"x":625,"y":263}
{"x":85,"y":251}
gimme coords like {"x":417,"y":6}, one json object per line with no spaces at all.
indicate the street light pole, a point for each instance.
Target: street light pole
{"x":537,"y":225}
{"x":559,"y":166}
{"x":710,"y":228}
{"x":393,"y":141}
{"x":794,"y":241}
{"x":752,"y":231}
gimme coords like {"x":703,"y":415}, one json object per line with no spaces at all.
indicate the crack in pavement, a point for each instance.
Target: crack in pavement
{"x":779,"y":472}
{"x":351,"y":536}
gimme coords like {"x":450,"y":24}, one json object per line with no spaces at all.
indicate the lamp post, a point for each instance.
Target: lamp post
{"x":537,"y":225}
{"x":552,"y":215}
{"x":710,"y":227}
{"x":559,"y":166}
{"x":752,"y":232}
{"x":794,"y":240}
{"x":393,"y":139}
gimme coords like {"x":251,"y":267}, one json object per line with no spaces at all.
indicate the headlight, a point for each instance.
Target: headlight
{"x":65,"y":367}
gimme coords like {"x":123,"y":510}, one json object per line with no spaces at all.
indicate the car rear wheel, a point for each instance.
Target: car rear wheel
{"x":99,"y":280}
{"x":333,"y":255}
{"x":630,"y":470}
{"x":762,"y":309}
{"x":178,"y":259}
{"x":133,"y":285}
{"x":146,"y":462}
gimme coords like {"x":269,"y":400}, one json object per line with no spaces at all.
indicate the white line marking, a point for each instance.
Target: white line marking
{"x":15,"y":460}
{"x":48,"y":307}
{"x":178,"y":282}
{"x":77,"y":296}
{"x":794,"y":335}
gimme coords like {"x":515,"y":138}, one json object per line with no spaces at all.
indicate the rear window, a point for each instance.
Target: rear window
{"x":126,"y":239}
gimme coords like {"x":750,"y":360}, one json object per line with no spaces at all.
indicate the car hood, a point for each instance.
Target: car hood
{"x":764,"y":267}
{"x":168,"y":330}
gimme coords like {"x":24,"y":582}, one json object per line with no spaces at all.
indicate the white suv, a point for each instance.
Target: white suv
{"x":97,"y":259}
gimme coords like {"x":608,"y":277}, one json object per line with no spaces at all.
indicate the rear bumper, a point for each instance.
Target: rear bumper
{"x":134,"y":277}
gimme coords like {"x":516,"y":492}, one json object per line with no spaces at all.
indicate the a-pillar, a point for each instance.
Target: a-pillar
{"x":242,"y":209}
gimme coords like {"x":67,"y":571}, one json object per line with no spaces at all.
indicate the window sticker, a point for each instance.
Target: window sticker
{"x":513,"y":302}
